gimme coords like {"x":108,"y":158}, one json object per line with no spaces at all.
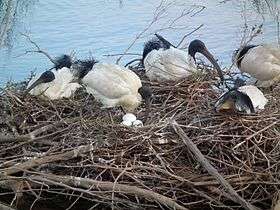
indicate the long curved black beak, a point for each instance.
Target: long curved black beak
{"x":211,"y":58}
{"x":36,"y":83}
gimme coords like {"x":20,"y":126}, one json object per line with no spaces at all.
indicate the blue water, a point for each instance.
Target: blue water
{"x":102,"y":27}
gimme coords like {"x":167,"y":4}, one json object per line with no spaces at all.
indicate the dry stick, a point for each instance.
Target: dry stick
{"x":5,"y":207}
{"x":110,"y":186}
{"x":204,"y":195}
{"x":38,"y":49}
{"x":262,"y":130}
{"x":77,"y":152}
{"x":32,"y":135}
{"x":188,"y":34}
{"x":134,"y":41}
{"x":132,"y":61}
{"x":211,"y":170}
{"x":29,"y":136}
{"x":156,"y":17}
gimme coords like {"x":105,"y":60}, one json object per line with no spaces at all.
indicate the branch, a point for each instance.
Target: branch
{"x":77,"y":152}
{"x":5,"y":207}
{"x":118,"y":54}
{"x":211,"y":170}
{"x":110,"y":186}
{"x":188,"y":34}
{"x":30,"y":136}
{"x":38,"y":48}
{"x":159,"y":13}
{"x":132,"y":61}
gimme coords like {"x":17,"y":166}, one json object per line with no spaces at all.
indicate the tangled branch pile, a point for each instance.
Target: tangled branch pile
{"x":72,"y":154}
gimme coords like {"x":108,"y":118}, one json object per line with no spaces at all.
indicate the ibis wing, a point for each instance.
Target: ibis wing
{"x":274,"y":54}
{"x":111,"y":81}
{"x":261,"y":63}
{"x":257,"y":97}
{"x":169,"y":64}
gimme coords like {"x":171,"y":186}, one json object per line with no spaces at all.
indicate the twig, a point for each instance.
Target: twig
{"x":5,"y":207}
{"x":188,"y":34}
{"x":206,"y":164}
{"x":77,"y":152}
{"x":29,"y":136}
{"x":199,"y":11}
{"x":262,"y":130}
{"x":38,"y":48}
{"x":130,"y":62}
{"x":110,"y":186}
{"x":160,"y":13}
{"x":118,"y":54}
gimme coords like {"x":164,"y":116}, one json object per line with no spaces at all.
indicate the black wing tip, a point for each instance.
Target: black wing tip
{"x":84,"y":66}
{"x":63,"y":61}
{"x":155,"y":43}
{"x":239,"y":54}
{"x":86,"y":63}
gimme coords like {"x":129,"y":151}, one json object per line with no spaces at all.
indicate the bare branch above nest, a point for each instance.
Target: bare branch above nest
{"x":188,"y":34}
{"x":132,"y":61}
{"x":160,"y":13}
{"x":39,"y":50}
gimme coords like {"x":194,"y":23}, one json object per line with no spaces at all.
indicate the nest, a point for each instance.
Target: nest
{"x":72,"y":154}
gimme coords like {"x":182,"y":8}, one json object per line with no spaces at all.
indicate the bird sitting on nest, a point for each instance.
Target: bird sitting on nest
{"x":245,"y":99}
{"x":261,"y":62}
{"x":56,"y":82}
{"x":163,"y":61}
{"x":112,"y":85}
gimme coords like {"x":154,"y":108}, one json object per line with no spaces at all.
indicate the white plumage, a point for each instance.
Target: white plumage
{"x":60,"y":87}
{"x":262,"y":63}
{"x":169,"y":64}
{"x":257,"y":97}
{"x":114,"y":86}
{"x":245,"y":99}
{"x":163,"y":61}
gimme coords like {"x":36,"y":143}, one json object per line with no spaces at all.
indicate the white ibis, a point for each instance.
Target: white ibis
{"x":245,"y":99}
{"x":56,"y":82}
{"x":163,"y":61}
{"x":262,"y":62}
{"x":112,"y":84}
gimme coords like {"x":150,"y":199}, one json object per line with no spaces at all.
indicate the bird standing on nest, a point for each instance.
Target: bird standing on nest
{"x":56,"y":82}
{"x":163,"y":61}
{"x":112,"y":84}
{"x":262,"y":62}
{"x":245,"y":99}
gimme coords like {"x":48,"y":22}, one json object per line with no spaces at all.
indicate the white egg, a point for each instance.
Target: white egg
{"x":129,"y":117}
{"x":137,"y":123}
{"x":127,"y":123}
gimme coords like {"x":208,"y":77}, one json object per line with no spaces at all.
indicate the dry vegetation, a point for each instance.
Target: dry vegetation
{"x":77,"y":154}
{"x":70,"y":154}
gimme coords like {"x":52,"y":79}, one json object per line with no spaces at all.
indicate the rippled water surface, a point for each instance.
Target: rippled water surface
{"x":102,"y":27}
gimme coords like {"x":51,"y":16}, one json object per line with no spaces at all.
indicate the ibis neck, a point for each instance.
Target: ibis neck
{"x":242,"y":54}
